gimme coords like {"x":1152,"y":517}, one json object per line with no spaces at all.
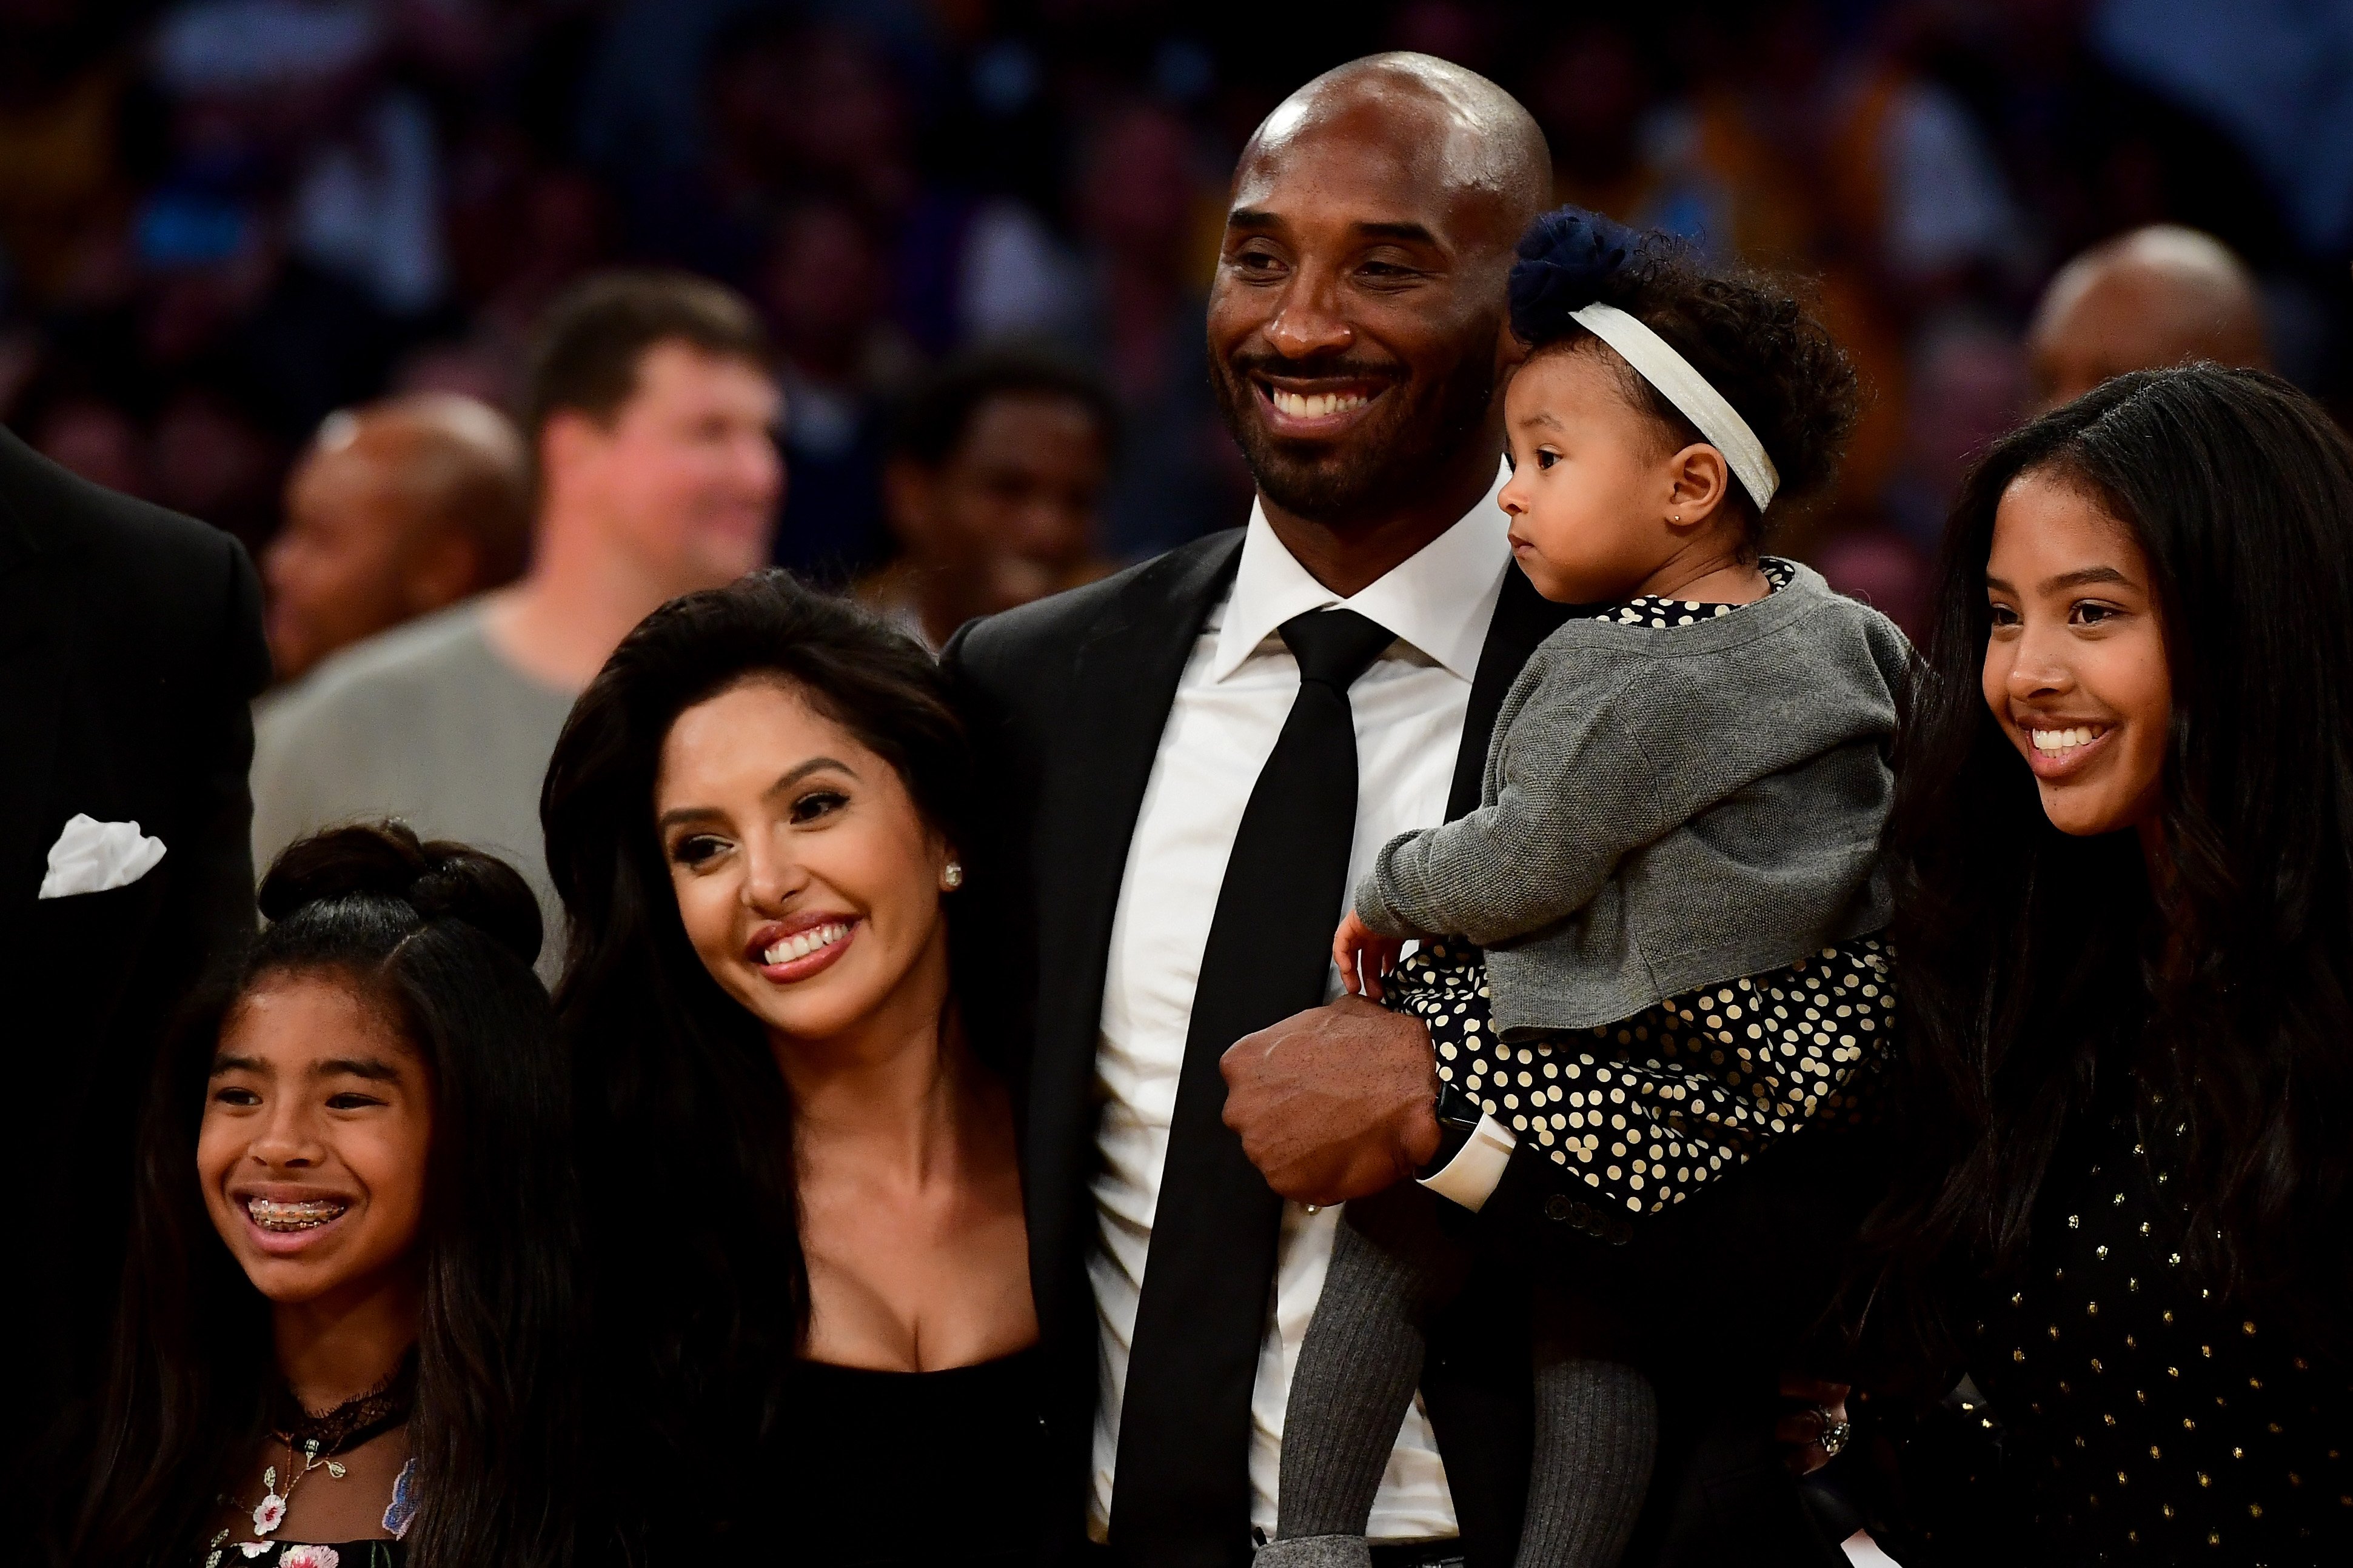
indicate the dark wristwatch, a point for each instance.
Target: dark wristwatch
{"x":1459,"y":1116}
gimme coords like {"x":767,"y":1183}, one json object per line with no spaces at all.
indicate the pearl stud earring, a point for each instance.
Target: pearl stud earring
{"x":952,"y":875}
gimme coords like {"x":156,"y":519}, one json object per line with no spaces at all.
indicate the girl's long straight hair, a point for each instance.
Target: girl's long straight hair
{"x":2034,"y":962}
{"x":442,"y":938}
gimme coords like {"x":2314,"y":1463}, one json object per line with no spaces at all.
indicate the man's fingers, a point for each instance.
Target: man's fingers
{"x":1316,"y":1177}
{"x":1814,"y":1390}
{"x":1799,"y":1438}
{"x":1236,"y":1061}
{"x":1803,"y":1426}
{"x":1319,"y":1188}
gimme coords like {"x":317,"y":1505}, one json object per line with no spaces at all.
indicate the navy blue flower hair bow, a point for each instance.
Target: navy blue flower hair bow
{"x":1564,"y":257}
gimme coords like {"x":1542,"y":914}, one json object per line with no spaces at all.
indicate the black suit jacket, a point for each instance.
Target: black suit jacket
{"x":1066,"y":700}
{"x":130,"y":651}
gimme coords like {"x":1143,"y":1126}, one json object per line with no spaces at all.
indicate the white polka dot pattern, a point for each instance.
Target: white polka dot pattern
{"x":1655,"y":610}
{"x":1649,"y":1109}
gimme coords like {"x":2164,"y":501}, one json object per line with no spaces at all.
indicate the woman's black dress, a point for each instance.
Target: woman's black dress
{"x":883,"y":1468}
{"x":2140,"y":1419}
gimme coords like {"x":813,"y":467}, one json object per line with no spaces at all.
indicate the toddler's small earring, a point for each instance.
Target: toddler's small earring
{"x":952,"y":875}
{"x":1677,"y":518}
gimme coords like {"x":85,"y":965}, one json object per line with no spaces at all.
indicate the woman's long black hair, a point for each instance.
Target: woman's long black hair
{"x":442,"y":938}
{"x":2032,"y":962}
{"x":687,"y":1128}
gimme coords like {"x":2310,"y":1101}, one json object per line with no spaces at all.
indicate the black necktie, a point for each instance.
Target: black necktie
{"x":1181,"y":1493}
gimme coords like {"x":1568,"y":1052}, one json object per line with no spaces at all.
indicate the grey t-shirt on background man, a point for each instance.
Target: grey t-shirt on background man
{"x":426,"y":724}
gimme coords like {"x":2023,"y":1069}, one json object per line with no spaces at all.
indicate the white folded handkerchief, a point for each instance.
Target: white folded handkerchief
{"x":90,"y":855}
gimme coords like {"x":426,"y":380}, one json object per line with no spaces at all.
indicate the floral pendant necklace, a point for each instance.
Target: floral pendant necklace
{"x":312,"y":1443}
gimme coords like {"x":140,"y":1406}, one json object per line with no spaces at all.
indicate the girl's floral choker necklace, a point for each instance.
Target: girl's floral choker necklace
{"x":369,"y":1414}
{"x":311,"y":1444}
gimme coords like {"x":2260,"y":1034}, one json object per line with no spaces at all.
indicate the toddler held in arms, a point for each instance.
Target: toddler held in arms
{"x":1651,"y":951}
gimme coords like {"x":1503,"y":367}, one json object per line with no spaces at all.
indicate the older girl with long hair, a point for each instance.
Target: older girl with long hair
{"x":2123,"y":830}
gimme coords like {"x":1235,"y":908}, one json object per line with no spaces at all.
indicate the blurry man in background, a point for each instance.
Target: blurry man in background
{"x":994,"y":489}
{"x":1145,"y":205}
{"x":399,"y":509}
{"x":827,"y":289}
{"x":651,"y":415}
{"x":2159,"y":296}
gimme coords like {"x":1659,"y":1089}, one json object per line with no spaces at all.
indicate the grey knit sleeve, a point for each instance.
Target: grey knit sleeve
{"x":1573,"y":785}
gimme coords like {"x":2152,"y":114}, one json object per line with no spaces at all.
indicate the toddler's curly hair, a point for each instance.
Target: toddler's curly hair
{"x":1750,"y":333}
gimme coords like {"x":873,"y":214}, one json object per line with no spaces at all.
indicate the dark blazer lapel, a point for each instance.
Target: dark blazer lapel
{"x":1523,"y":618}
{"x":31,"y":696}
{"x":1122,"y":683}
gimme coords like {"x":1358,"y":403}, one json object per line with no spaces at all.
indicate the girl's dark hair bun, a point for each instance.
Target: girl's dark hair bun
{"x":1567,"y":258}
{"x":437,"y":878}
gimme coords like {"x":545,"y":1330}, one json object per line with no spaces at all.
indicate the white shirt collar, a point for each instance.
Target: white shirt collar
{"x":1437,"y":600}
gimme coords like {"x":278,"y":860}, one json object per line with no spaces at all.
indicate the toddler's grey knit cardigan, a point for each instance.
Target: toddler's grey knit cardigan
{"x":1664,"y":808}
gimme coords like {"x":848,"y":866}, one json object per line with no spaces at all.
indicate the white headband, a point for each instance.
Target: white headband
{"x":1656,"y":361}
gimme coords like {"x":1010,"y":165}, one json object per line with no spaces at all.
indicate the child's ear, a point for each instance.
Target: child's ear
{"x":1701,"y":479}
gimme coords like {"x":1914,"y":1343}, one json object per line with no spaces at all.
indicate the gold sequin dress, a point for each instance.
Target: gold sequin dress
{"x":2140,"y":1418}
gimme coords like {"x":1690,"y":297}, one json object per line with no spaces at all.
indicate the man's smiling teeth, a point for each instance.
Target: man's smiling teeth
{"x":306,"y":1214}
{"x":2067,"y":740}
{"x":1316,"y":406}
{"x":807,"y":943}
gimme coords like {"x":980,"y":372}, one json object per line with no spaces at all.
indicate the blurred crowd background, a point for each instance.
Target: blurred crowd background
{"x":224,"y":221}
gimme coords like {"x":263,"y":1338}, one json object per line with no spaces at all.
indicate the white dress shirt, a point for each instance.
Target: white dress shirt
{"x":1236,"y":692}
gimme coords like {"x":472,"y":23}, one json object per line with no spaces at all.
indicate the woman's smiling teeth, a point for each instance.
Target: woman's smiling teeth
{"x":2067,"y":740}
{"x":308,"y":1214}
{"x":802,"y":944}
{"x":1317,"y":405}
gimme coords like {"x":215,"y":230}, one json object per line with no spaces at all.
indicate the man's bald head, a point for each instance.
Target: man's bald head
{"x":2157,"y":297}
{"x":397,"y":508}
{"x":444,"y":461}
{"x":1470,"y":135}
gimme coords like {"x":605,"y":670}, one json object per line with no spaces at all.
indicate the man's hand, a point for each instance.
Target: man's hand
{"x":1337,"y":1102}
{"x":1812,"y":1437}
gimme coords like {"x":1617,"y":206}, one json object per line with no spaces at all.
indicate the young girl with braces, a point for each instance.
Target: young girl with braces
{"x":347,"y":1322}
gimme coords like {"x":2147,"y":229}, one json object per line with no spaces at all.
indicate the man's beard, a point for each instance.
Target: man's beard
{"x":1382,"y":462}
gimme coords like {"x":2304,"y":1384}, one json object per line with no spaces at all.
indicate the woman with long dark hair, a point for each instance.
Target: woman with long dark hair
{"x":344,"y":1336}
{"x":809,"y":1258}
{"x":2123,"y":834}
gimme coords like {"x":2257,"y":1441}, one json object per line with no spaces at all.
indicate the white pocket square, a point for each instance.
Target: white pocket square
{"x":90,"y":855}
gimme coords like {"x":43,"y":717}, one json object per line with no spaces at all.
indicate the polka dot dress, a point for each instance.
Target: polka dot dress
{"x":1652,"y":610}
{"x":2144,"y":1420}
{"x":1649,"y":1109}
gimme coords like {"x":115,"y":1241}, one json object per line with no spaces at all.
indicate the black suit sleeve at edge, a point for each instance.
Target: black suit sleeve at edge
{"x":213,"y":892}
